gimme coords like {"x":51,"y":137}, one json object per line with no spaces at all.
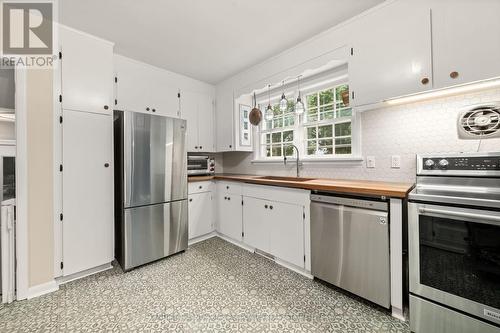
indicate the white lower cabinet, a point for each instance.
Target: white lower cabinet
{"x":200,"y":212}
{"x":256,"y":218}
{"x":230,"y":215}
{"x":286,"y":232}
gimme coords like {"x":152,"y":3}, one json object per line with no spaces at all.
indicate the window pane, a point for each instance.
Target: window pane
{"x":344,"y":113}
{"x":288,"y":150}
{"x":276,"y":110}
{"x":326,"y":151}
{"x":276,"y":137}
{"x":289,"y":120}
{"x":291,"y":105}
{"x":326,"y":97}
{"x":268,"y":151}
{"x":287,"y":136}
{"x":327,"y":142}
{"x":312,"y":101}
{"x":311,"y":132}
{"x":343,"y":129}
{"x":276,"y":150}
{"x":278,"y":122}
{"x":268,"y":138}
{"x":339,"y":92}
{"x":325,"y":131}
{"x":269,"y":124}
{"x":311,"y":151}
{"x":343,"y":150}
{"x":326,"y":112}
{"x":343,"y":141}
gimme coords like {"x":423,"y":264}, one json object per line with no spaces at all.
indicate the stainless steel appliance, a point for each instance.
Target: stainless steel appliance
{"x":454,"y":244}
{"x":350,"y":245}
{"x":200,"y":165}
{"x":151,"y":208}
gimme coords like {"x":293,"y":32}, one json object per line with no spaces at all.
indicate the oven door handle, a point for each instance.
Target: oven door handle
{"x":474,"y":216}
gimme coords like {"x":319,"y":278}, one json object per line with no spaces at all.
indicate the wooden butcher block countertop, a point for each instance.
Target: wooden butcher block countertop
{"x":365,"y":187}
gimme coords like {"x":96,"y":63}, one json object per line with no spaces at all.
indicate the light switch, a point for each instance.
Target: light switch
{"x":395,"y":161}
{"x":370,"y":162}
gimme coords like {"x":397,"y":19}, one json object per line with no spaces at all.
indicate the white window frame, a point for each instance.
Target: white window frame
{"x":300,"y":129}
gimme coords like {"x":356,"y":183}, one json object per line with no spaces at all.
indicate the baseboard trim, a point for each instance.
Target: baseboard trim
{"x":42,"y":289}
{"x":202,"y":238}
{"x":80,"y":275}
{"x":398,"y":313}
{"x":235,"y":242}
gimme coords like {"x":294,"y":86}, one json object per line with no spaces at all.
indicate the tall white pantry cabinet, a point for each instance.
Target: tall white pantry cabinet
{"x":86,"y":220}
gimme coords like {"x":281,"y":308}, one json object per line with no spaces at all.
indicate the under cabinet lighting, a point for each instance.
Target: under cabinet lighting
{"x":480,"y":85}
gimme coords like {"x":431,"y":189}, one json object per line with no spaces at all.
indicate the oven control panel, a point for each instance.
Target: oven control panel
{"x":487,"y":164}
{"x":462,"y":163}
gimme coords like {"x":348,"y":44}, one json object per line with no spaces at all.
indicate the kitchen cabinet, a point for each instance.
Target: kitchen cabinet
{"x":87,"y":178}
{"x":465,"y":40}
{"x":143,"y":88}
{"x":229,"y":210}
{"x":200,"y":211}
{"x":391,"y":53}
{"x":197,"y":109}
{"x":87,"y":72}
{"x":256,"y":219}
{"x":286,"y":232}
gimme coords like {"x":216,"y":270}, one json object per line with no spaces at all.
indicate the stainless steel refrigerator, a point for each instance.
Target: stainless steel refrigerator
{"x":151,"y":210}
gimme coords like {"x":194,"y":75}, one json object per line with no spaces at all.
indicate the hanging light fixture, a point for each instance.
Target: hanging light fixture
{"x":283,"y":101}
{"x":269,"y":110}
{"x":299,"y":105}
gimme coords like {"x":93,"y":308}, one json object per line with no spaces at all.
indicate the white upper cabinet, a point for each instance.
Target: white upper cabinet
{"x":87,"y":72}
{"x":466,"y":41}
{"x":224,"y":116}
{"x":197,"y":109}
{"x":391,"y":53}
{"x":144,"y":88}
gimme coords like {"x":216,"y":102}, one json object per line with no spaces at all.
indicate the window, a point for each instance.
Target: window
{"x":325,"y":130}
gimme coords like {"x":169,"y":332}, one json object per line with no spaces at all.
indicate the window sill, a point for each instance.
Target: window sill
{"x":314,"y":160}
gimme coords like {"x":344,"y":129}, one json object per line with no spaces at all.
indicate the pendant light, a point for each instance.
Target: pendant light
{"x":283,"y":101}
{"x":299,"y":105}
{"x":269,"y":110}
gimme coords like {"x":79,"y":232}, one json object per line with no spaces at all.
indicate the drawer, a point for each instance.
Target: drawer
{"x":278,"y":194}
{"x":200,"y":187}
{"x":229,"y":187}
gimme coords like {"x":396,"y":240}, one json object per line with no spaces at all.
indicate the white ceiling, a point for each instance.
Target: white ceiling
{"x":209,"y":40}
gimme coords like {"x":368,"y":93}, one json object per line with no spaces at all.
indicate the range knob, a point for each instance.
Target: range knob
{"x":429,"y":164}
{"x":443,"y":164}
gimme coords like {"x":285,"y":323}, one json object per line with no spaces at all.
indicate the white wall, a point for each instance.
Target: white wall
{"x":405,"y":130}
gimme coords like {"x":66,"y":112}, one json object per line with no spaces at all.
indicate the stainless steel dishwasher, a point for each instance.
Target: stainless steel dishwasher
{"x":350,"y":245}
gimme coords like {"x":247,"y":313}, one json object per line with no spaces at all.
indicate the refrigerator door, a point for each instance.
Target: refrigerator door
{"x":153,"y":232}
{"x":154,"y":159}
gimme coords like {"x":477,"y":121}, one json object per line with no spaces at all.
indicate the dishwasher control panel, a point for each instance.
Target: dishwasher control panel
{"x":352,"y":202}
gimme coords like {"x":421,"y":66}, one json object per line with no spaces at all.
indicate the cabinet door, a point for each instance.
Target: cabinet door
{"x":200,"y":214}
{"x":87,"y":72}
{"x":189,"y":112}
{"x":256,"y":220}
{"x":206,"y":131}
{"x":87,"y":191}
{"x":163,"y":97}
{"x":466,"y":40}
{"x":391,"y":53}
{"x":287,"y":232}
{"x":132,"y":90}
{"x":224,"y":119}
{"x":230,"y":215}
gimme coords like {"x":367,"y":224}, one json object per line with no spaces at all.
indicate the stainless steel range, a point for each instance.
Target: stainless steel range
{"x":454,"y":244}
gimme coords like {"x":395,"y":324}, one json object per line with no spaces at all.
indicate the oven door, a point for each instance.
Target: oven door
{"x":455,"y":258}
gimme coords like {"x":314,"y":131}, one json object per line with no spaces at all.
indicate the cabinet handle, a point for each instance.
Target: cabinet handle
{"x":147,"y":109}
{"x":200,"y":187}
{"x":201,"y":147}
{"x":230,"y":146}
{"x":227,"y":187}
{"x":106,"y":165}
{"x":195,"y":147}
{"x":454,"y":75}
{"x":106,"y":107}
{"x":270,"y":207}
{"x":265,"y":206}
{"x":229,"y":198}
{"x":425,"y":80}
{"x":154,"y":110}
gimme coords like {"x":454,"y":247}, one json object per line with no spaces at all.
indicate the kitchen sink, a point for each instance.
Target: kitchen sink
{"x":289,"y":179}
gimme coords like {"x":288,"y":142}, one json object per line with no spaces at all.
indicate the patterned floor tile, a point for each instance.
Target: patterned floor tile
{"x":212,"y":287}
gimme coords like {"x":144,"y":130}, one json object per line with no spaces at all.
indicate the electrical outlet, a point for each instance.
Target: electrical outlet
{"x":370,"y":162}
{"x":395,"y":161}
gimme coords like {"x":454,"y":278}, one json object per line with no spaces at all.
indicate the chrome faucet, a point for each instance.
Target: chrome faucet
{"x":298,"y":159}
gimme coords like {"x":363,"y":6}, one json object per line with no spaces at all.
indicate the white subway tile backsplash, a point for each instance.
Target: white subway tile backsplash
{"x":404,"y":130}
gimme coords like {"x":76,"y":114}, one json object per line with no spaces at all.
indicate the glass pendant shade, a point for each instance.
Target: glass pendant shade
{"x":299,"y":106}
{"x":283,"y":103}
{"x":269,"y":113}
